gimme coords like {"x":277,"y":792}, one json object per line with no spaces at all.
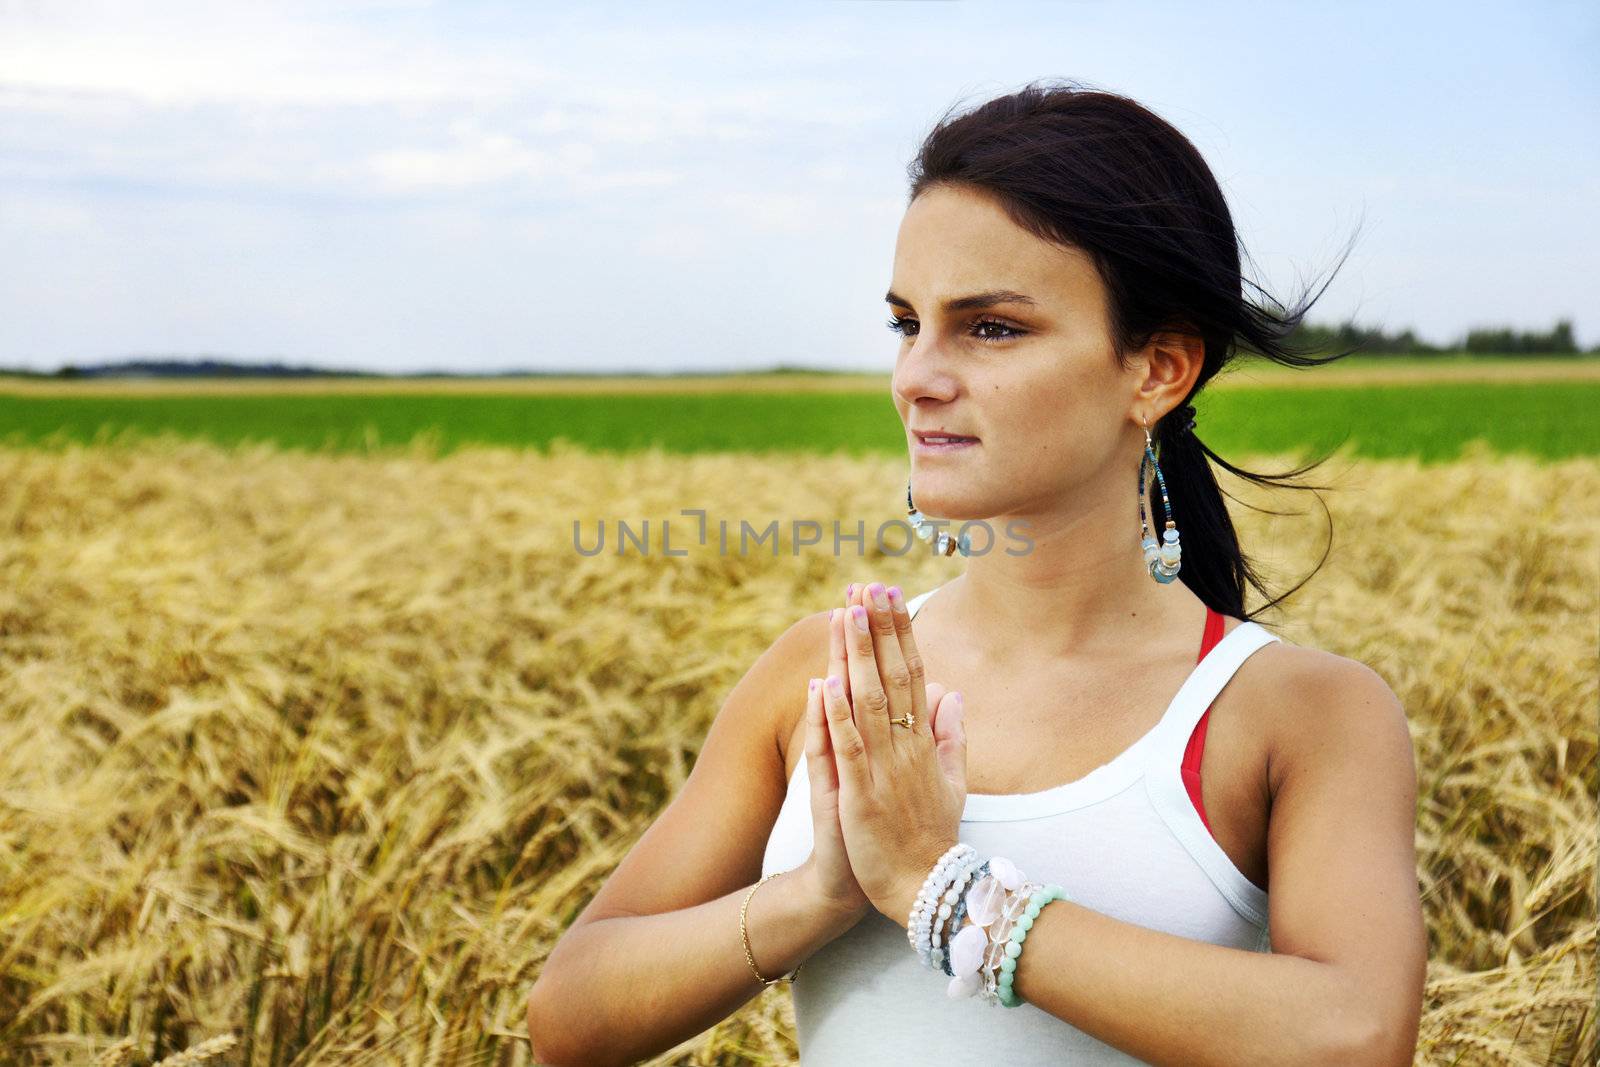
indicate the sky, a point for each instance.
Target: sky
{"x":413,"y":186}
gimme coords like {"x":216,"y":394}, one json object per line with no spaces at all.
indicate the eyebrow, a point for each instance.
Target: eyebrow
{"x":976,"y":301}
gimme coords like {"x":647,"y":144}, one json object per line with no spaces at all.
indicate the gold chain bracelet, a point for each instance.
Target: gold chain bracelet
{"x":744,"y":935}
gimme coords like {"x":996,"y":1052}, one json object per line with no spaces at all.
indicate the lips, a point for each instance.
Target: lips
{"x":931,"y":443}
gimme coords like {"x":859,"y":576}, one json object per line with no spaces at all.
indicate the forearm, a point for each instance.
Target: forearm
{"x":1174,"y":1000}
{"x":621,"y":989}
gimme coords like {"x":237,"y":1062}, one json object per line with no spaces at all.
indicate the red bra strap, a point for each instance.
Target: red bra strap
{"x":1197,"y":740}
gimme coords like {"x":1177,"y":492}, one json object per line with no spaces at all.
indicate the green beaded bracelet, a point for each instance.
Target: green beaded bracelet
{"x":1019,"y":934}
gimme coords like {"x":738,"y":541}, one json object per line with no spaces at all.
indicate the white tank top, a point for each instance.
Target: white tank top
{"x":1125,"y":840}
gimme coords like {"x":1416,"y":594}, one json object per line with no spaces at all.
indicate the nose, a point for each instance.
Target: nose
{"x":921,"y":374}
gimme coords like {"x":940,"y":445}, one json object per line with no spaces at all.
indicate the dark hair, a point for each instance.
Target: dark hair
{"x":1100,"y":172}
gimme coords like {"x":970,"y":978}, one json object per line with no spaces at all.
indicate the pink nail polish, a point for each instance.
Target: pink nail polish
{"x":859,"y":613}
{"x":896,"y":597}
{"x":834,"y":684}
{"x":813,"y":686}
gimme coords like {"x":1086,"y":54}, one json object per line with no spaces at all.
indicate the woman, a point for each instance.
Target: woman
{"x":1066,"y":279}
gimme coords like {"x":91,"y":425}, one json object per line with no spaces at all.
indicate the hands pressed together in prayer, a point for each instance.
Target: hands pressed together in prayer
{"x":886,"y":796}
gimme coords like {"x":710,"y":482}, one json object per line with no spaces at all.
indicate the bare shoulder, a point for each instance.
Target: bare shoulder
{"x":1317,"y":707}
{"x":803,"y":652}
{"x":798,"y":654}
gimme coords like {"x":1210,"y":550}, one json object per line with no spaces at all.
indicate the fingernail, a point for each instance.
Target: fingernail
{"x":850,"y":590}
{"x":835,"y":685}
{"x":859,"y":613}
{"x":896,"y":597}
{"x":880,"y":596}
{"x":812,"y":688}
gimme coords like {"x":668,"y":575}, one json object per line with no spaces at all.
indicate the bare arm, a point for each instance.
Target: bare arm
{"x":1344,"y":982}
{"x":626,"y":988}
{"x":656,"y":956}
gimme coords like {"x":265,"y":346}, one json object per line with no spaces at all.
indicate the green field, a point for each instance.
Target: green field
{"x":1431,"y":421}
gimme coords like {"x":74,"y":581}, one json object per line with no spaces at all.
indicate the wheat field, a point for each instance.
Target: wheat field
{"x":309,"y":758}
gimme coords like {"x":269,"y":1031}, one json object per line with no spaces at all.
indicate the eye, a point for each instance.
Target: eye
{"x":900,"y":326}
{"x":1010,"y":331}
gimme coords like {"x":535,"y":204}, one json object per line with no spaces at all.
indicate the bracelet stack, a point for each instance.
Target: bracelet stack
{"x":999,"y":906}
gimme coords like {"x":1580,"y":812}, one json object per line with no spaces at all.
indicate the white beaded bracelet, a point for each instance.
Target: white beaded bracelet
{"x":958,"y":914}
{"x":930,"y":936}
{"x":923,"y":908}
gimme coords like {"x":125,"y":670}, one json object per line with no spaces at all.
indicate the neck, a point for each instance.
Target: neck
{"x":1082,"y":588}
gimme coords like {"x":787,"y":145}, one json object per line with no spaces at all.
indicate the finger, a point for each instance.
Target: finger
{"x":868,"y":699}
{"x":837,"y":666}
{"x":819,"y":753}
{"x":849,"y":750}
{"x":916,"y":680}
{"x":893,"y":672}
{"x":950,"y":734}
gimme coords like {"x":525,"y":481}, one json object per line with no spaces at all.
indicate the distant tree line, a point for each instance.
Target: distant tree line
{"x":1502,"y":340}
{"x":224,"y":368}
{"x":200,"y":368}
{"x":1313,"y":337}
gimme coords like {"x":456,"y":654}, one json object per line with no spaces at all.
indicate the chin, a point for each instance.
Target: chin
{"x":946,"y":495}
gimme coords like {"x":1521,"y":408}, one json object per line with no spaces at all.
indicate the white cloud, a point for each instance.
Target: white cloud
{"x":775,"y":212}
{"x":487,"y":159}
{"x":185,"y":54}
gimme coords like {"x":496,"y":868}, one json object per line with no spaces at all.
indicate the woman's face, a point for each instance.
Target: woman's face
{"x":1006,"y":340}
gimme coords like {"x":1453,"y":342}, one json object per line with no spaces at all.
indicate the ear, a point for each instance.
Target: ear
{"x":1169,"y":365}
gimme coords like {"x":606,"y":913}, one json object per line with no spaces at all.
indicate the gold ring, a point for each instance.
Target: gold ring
{"x":907,"y":720}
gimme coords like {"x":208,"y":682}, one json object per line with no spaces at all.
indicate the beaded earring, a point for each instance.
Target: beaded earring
{"x":943,"y":543}
{"x":1164,"y":558}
